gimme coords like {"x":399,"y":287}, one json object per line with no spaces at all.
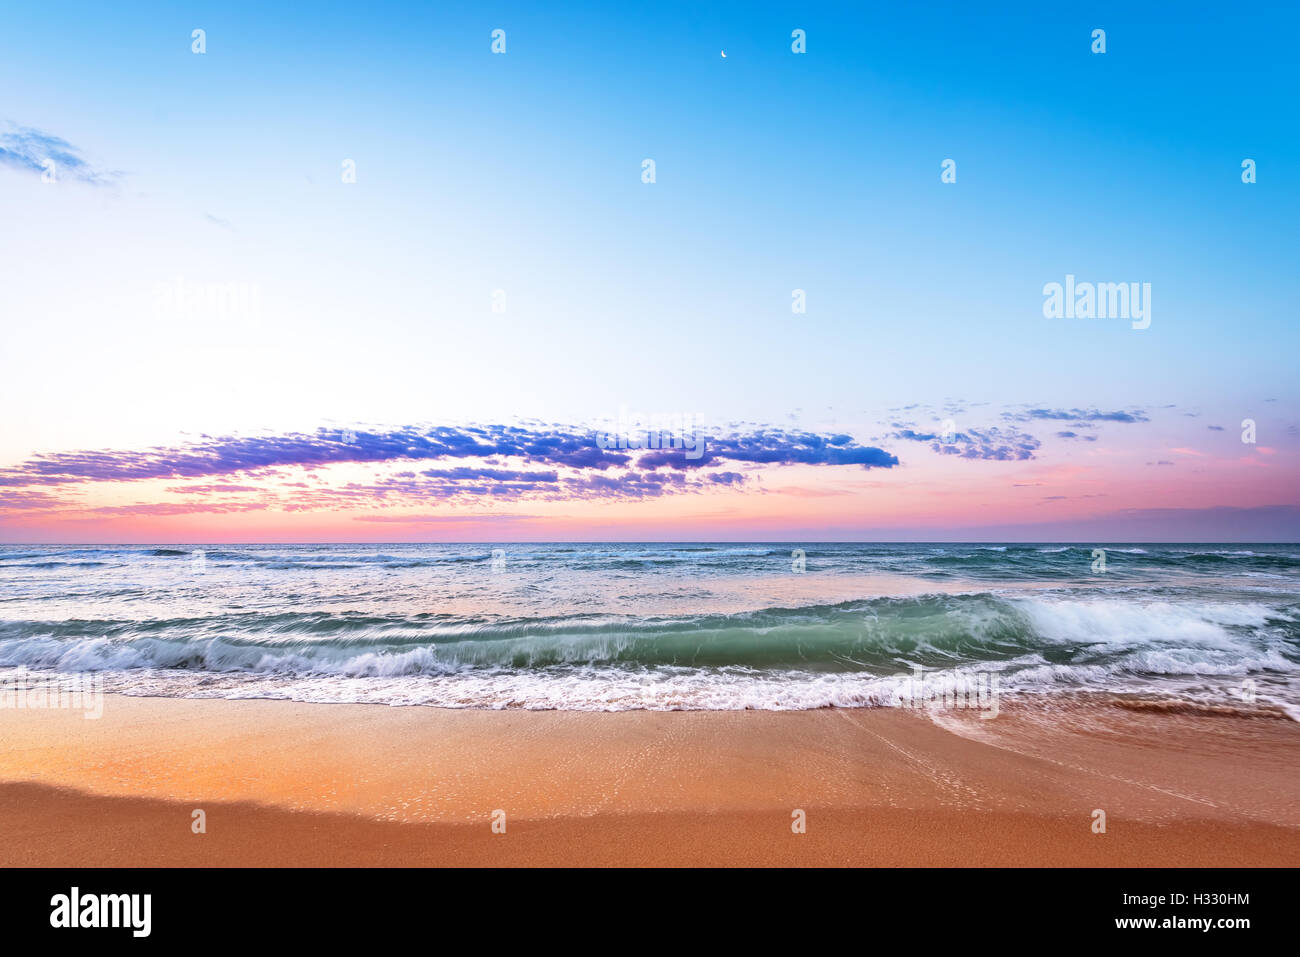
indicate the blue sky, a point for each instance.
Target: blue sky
{"x":521,"y":172}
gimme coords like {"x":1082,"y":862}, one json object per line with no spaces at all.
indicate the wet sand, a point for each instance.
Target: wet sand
{"x":283,"y":783}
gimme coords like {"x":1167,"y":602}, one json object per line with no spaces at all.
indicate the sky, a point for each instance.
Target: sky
{"x":208,"y":334}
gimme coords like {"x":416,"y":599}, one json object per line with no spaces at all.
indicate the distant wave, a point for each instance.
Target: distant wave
{"x":701,"y":625}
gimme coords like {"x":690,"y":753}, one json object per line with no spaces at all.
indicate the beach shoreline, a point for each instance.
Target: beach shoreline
{"x":284,"y":783}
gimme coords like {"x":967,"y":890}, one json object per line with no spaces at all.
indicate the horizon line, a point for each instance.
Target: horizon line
{"x":683,"y":541}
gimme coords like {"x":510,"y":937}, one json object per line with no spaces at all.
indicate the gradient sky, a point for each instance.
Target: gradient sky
{"x":345,"y":406}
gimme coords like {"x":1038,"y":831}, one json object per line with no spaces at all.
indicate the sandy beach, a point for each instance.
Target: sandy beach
{"x":283,"y":783}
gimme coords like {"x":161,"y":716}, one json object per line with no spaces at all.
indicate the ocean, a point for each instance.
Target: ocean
{"x":691,"y":626}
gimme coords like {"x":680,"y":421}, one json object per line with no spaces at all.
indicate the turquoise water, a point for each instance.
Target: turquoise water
{"x":660,"y":626}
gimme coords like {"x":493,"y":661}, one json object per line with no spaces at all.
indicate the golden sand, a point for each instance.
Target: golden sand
{"x":282,"y":783}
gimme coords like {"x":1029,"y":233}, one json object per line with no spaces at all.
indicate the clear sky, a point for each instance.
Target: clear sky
{"x":208,"y":335}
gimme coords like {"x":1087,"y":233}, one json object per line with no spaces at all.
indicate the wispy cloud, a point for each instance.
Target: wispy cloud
{"x":993,"y":445}
{"x":1076,"y":415}
{"x":27,"y":499}
{"x":30,"y":150}
{"x":175,"y":508}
